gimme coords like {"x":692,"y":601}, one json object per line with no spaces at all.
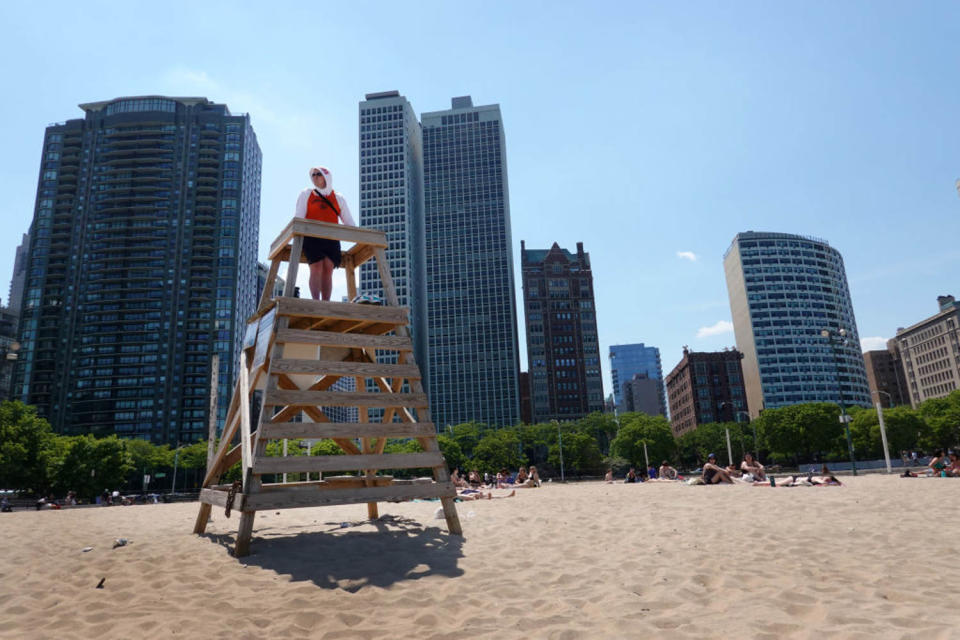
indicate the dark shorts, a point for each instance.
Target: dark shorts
{"x":316,"y":249}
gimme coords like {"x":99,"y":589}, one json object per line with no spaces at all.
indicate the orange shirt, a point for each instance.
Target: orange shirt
{"x":319,"y":210}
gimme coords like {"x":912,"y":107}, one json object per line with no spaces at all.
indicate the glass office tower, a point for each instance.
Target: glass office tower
{"x":784,"y":290}
{"x":142,"y":264}
{"x":626,"y":361}
{"x":391,"y":200}
{"x":472,"y":314}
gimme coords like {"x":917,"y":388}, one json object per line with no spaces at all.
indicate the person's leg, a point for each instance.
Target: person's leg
{"x":316,"y":279}
{"x":326,"y":281}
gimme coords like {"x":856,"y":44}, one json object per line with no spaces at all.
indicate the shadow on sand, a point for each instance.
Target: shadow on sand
{"x":336,"y":557}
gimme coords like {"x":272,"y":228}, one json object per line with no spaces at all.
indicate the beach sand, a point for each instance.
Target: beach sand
{"x":874,"y":559}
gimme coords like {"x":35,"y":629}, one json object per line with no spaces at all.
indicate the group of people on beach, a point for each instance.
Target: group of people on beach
{"x":750,"y":471}
{"x":472,"y":487}
{"x":944,"y":466}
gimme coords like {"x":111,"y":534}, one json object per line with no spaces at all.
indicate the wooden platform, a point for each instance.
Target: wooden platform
{"x":294,"y":351}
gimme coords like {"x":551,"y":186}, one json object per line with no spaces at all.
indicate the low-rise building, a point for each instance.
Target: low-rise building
{"x":930,"y":352}
{"x":706,"y":387}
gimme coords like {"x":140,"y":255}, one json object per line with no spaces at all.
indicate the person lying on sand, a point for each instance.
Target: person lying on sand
{"x":473,"y":494}
{"x":667,"y":472}
{"x":712,"y":474}
{"x":752,"y":466}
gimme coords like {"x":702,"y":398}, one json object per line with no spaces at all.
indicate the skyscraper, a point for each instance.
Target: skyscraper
{"x":472,"y":313}
{"x":391,"y":200}
{"x":627,"y":360}
{"x":784,"y":290}
{"x":562,"y":349}
{"x":143,"y":263}
{"x":15,"y":298}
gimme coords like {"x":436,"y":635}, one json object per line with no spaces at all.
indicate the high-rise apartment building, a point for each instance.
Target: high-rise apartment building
{"x":706,"y":387}
{"x":784,"y":290}
{"x":472,"y":313}
{"x":142,"y":264}
{"x":885,"y":375}
{"x":19,"y":279}
{"x":391,"y":200}
{"x":930,"y":351}
{"x":562,"y":348}
{"x":627,"y":360}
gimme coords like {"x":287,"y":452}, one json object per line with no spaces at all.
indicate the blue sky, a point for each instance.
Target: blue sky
{"x":652,"y":133}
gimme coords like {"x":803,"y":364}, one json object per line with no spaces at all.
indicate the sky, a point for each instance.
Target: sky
{"x":651,"y":132}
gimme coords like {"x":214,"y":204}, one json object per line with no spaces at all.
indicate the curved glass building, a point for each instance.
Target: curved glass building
{"x":784,"y":290}
{"x":142,"y":265}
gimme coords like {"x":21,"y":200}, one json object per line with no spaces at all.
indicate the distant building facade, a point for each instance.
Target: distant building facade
{"x":278,"y":284}
{"x":643,"y":394}
{"x":885,"y":376}
{"x":930,"y":352}
{"x":706,"y":387}
{"x":784,"y":290}
{"x":563,"y":352}
{"x":627,"y":360}
{"x":526,"y":412}
{"x":19,"y":279}
{"x":9,"y":351}
{"x":142,"y":265}
{"x":472,"y":315}
{"x":391,"y":200}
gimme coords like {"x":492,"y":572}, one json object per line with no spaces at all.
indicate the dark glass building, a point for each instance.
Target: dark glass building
{"x":562,"y":349}
{"x":471,"y":306}
{"x":142,"y":264}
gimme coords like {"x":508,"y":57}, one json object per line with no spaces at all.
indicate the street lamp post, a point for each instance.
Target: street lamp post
{"x":560,"y":440}
{"x":837,"y":339}
{"x":883,"y":427}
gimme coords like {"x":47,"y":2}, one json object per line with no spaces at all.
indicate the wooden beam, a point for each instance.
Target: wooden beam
{"x":331,"y":339}
{"x":285,"y":499}
{"x":344,"y":399}
{"x":267,"y":294}
{"x":299,"y":464}
{"x":346,"y":368}
{"x":360,"y":253}
{"x":320,"y":430}
{"x":306,"y":308}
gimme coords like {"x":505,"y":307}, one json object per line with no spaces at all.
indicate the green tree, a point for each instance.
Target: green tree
{"x":467,"y":435}
{"x":91,"y":465}
{"x":451,"y":451}
{"x":25,"y":446}
{"x":904,"y":430}
{"x":639,"y":428}
{"x":602,"y":427}
{"x":942,"y":416}
{"x":497,"y":450}
{"x":580,"y":454}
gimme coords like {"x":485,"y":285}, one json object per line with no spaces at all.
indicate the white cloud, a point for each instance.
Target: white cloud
{"x":687,"y":255}
{"x":717,"y":329}
{"x":873,"y":343}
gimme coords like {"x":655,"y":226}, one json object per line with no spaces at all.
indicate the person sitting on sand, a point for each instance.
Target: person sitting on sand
{"x":752,"y":466}
{"x":632,"y":477}
{"x":937,"y":463}
{"x":521,"y":477}
{"x":608,"y":478}
{"x":712,"y":474}
{"x":667,"y":472}
{"x":457,"y":481}
{"x":532,"y":481}
{"x":953,"y":469}
{"x":475,"y":479}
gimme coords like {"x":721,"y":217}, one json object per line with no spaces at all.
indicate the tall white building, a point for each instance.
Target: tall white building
{"x":391,"y":200}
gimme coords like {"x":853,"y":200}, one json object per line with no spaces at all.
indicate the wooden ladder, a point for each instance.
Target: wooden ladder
{"x":295,"y":350}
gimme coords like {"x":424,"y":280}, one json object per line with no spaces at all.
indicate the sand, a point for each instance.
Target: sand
{"x":874,"y":559}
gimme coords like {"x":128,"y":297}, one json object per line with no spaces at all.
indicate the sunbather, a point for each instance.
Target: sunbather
{"x":953,"y":469}
{"x":712,"y":474}
{"x":752,"y":466}
{"x":532,"y":481}
{"x":937,"y":463}
{"x":667,"y":472}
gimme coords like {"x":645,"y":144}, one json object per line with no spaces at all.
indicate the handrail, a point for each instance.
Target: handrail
{"x":315,"y":229}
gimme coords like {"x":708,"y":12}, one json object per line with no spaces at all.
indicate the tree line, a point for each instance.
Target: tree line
{"x":33,"y":458}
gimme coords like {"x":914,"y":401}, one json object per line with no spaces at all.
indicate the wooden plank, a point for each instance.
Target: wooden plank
{"x":233,"y":457}
{"x":386,"y":279}
{"x":212,"y":426}
{"x":330,"y":482}
{"x":218,"y":498}
{"x":306,"y":308}
{"x":246,"y":455}
{"x":331,"y":339}
{"x":344,"y":399}
{"x":300,"y":227}
{"x":290,"y":286}
{"x":286,"y":499}
{"x":360,"y":253}
{"x":346,"y":368}
{"x":265,"y":330}
{"x":299,"y":464}
{"x":267,"y":293}
{"x":320,"y":430}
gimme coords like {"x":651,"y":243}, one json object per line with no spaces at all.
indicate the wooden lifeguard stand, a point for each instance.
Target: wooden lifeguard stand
{"x":294,"y":350}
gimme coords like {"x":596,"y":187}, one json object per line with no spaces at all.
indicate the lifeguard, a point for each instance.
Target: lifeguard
{"x":321,"y":203}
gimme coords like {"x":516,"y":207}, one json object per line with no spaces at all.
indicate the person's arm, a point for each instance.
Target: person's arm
{"x":345,"y":212}
{"x":300,"y":211}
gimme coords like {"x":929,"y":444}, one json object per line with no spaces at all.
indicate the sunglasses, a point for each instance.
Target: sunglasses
{"x":315,"y":175}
